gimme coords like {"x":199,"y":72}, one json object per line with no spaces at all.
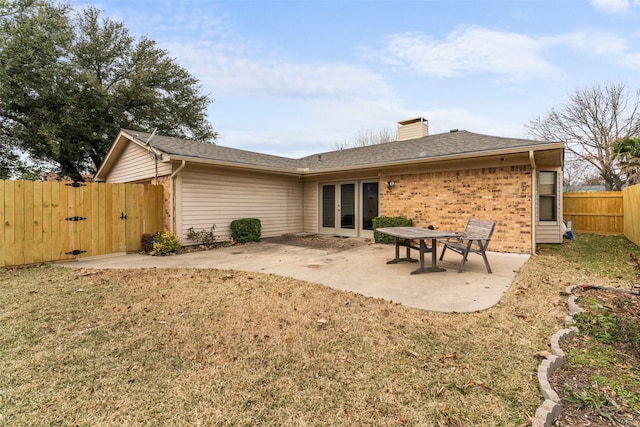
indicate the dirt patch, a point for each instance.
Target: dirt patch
{"x":320,"y":241}
{"x":600,"y":384}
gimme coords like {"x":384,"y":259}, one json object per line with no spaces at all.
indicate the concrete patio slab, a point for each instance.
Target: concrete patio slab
{"x":362,"y":270}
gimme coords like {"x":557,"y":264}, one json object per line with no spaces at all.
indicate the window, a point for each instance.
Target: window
{"x":547,"y":193}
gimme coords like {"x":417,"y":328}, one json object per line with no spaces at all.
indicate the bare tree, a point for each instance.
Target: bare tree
{"x":578,"y":174}
{"x":590,"y":124}
{"x":367,"y":137}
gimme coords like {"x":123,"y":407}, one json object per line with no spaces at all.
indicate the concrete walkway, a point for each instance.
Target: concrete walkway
{"x":362,"y":270}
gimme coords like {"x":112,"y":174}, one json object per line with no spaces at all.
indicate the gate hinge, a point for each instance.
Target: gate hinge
{"x":75,"y":252}
{"x":76,"y":184}
{"x":75,"y":218}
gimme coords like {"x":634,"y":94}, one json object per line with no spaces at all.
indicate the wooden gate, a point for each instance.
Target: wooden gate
{"x":51,"y":221}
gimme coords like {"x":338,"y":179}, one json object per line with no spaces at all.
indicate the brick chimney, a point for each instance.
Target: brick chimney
{"x":413,"y":128}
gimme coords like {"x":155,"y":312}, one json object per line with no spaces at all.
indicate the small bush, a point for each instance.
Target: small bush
{"x":206,"y":237}
{"x":147,"y":241}
{"x":167,"y":243}
{"x":246,"y":230}
{"x":388,"y":221}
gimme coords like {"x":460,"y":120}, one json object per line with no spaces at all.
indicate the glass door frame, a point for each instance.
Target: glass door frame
{"x":337,"y":229}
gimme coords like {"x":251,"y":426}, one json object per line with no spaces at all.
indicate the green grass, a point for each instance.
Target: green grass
{"x":595,"y":254}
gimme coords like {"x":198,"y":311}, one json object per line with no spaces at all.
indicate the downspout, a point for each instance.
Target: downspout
{"x":171,"y":191}
{"x":534,"y":192}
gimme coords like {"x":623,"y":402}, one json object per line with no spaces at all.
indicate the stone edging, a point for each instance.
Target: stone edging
{"x":549,"y":411}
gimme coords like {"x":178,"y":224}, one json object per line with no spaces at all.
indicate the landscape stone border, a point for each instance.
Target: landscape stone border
{"x":549,"y":411}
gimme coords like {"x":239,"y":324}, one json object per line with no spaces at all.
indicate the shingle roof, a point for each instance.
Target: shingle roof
{"x":204,"y":151}
{"x":428,"y":147}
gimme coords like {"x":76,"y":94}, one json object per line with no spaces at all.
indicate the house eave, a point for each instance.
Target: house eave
{"x":431,"y":160}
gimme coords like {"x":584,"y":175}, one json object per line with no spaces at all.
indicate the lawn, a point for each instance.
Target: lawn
{"x":214,"y":347}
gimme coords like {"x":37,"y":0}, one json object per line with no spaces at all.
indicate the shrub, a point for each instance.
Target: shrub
{"x":388,"y":221}
{"x":206,"y":237}
{"x":147,"y":241}
{"x":166,"y":243}
{"x":246,"y":230}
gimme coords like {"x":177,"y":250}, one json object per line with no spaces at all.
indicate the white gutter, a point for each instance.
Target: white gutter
{"x":171,"y":192}
{"x":233,"y":165}
{"x":534,"y":197}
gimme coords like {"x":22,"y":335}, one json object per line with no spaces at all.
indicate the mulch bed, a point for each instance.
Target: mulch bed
{"x":306,"y":240}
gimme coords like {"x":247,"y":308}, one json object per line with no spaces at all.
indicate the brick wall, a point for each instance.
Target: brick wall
{"x":448,"y":199}
{"x":165,"y":181}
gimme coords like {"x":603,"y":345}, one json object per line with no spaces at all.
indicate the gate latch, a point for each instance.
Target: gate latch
{"x":75,"y":218}
{"x":123,"y":215}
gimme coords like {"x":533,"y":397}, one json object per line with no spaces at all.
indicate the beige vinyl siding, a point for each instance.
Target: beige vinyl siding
{"x":310,"y":207}
{"x":136,"y":164}
{"x":410,"y":129}
{"x":218,"y":197}
{"x":550,"y":231}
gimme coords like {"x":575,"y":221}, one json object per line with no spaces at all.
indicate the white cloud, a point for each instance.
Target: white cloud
{"x":611,"y":6}
{"x":631,"y":60}
{"x":470,"y":50}
{"x":510,"y":55}
{"x":614,"y":49}
{"x":592,"y":42}
{"x":233,"y":70}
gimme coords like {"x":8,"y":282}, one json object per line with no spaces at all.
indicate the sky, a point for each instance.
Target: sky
{"x":298,"y":77}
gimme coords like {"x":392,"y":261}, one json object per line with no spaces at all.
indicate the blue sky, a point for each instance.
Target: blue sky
{"x":296,"y":77}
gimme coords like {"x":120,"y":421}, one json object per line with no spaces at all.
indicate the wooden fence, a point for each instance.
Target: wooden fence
{"x":51,"y":221}
{"x":599,"y":212}
{"x":631,"y":198}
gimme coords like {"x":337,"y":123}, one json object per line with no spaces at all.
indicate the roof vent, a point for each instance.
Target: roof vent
{"x":453,"y":130}
{"x":412,"y":129}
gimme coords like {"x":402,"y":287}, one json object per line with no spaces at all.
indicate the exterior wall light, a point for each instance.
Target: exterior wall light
{"x":389,"y":184}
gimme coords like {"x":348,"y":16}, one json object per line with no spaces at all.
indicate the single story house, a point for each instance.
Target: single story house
{"x":440,"y":180}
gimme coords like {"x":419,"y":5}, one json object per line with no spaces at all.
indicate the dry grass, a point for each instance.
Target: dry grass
{"x":211,"y":347}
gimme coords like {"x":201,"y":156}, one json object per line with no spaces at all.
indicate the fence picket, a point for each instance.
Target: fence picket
{"x":19,"y":223}
{"x":2,"y":222}
{"x":36,"y":253}
{"x":10,"y":222}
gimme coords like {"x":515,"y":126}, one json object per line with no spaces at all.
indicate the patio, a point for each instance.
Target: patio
{"x":360,"y":269}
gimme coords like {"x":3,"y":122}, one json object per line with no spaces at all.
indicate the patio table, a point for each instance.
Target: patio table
{"x":403,"y":237}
